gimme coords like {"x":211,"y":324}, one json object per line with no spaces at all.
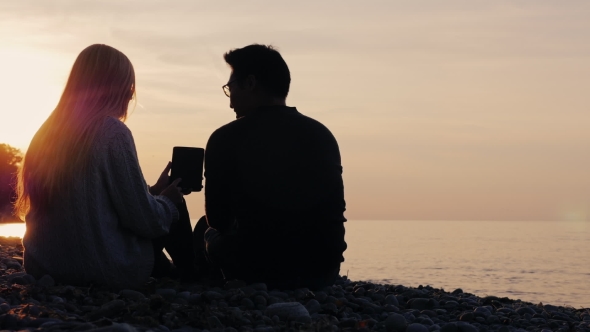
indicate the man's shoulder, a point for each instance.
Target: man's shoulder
{"x":228,"y":128}
{"x":312,"y":124}
{"x":225,"y":133}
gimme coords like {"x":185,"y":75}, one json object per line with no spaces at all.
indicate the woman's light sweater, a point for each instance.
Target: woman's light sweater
{"x":101,"y":232}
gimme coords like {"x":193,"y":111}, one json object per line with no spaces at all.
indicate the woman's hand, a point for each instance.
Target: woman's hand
{"x":173,"y":192}
{"x":163,"y":181}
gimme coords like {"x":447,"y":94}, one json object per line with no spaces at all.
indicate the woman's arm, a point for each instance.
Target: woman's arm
{"x":145,"y":215}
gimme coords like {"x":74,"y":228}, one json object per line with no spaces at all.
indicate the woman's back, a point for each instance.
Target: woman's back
{"x":100,"y":230}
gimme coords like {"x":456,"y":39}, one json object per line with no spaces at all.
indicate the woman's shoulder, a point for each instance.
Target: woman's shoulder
{"x":113,"y":123}
{"x":113,"y":127}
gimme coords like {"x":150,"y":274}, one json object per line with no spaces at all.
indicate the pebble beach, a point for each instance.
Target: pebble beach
{"x":27,"y":304}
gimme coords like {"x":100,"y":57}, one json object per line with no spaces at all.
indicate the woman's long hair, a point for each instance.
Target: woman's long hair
{"x":101,"y":84}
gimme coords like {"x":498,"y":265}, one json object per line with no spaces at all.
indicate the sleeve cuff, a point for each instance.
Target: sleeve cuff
{"x":171,"y":206}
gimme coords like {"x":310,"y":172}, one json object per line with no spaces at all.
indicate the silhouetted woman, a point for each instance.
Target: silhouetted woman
{"x":89,"y":215}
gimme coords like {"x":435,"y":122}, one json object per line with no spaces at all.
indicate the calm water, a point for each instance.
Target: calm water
{"x":545,"y":262}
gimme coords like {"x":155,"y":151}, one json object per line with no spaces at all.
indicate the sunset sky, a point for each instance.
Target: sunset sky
{"x":444,"y":110}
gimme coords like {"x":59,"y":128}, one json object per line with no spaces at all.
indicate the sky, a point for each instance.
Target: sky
{"x":443,"y":110}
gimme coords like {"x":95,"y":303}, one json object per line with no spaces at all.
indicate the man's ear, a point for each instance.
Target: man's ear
{"x":250,"y":82}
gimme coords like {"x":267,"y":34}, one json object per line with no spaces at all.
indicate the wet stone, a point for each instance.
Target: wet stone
{"x":280,"y":295}
{"x":415,"y":327}
{"x":359,"y":292}
{"x":481,"y":311}
{"x":349,"y":322}
{"x":259,"y":300}
{"x":12,"y":264}
{"x":9,"y":321}
{"x":248,"y":291}
{"x":56,"y":299}
{"x":330,"y":308}
{"x":321,"y":296}
{"x":30,"y":279}
{"x":214,"y":322}
{"x":391,"y":308}
{"x":525,"y":310}
{"x":313,"y":306}
{"x":131,"y":294}
{"x":429,"y":313}
{"x":194,"y":299}
{"x":422,"y":304}
{"x":183,"y":295}
{"x":395,"y":322}
{"x":259,"y":287}
{"x":292,"y":311}
{"x":247,"y":303}
{"x":426,"y":321}
{"x":451,"y":304}
{"x":409,"y":317}
{"x":166,"y":293}
{"x":468,"y":328}
{"x":20,"y":281}
{"x":550,"y":308}
{"x":467,"y":317}
{"x":46,"y":281}
{"x":391,"y":299}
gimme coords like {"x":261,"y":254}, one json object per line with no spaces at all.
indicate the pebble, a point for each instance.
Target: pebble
{"x":289,"y":311}
{"x":525,"y":310}
{"x":493,"y":319}
{"x":248,"y":304}
{"x":395,"y":323}
{"x":166,"y":293}
{"x":313,"y":306}
{"x":449,"y":327}
{"x":259,"y":287}
{"x":131,"y":294}
{"x":467,"y":317}
{"x":214,"y":322}
{"x":279,"y":294}
{"x":391,"y":299}
{"x":46,"y":281}
{"x":259,"y":300}
{"x":468,"y":328}
{"x":415,"y":327}
{"x":422,"y":304}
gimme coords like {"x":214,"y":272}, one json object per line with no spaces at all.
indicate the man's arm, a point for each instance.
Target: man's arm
{"x":219,"y":178}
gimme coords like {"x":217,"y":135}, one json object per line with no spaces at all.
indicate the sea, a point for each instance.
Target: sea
{"x":535,"y":261}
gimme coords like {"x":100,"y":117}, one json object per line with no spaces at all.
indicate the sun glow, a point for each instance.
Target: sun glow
{"x":16,"y":230}
{"x":30,"y":85}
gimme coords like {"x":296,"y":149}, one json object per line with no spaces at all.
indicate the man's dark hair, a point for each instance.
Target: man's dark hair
{"x":265,"y":63}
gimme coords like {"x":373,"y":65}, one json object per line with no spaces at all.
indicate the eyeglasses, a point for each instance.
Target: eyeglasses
{"x":226,"y":88}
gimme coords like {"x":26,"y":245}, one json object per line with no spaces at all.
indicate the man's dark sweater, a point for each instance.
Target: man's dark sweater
{"x":274,"y":180}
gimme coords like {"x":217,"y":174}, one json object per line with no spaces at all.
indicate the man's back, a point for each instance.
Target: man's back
{"x":278,"y":174}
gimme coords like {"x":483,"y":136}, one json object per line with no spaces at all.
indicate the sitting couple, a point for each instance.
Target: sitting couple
{"x":274,"y":194}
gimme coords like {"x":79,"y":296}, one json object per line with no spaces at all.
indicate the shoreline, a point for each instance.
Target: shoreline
{"x":168,"y":305}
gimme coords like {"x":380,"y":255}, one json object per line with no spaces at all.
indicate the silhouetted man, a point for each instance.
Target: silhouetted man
{"x":274,"y":195}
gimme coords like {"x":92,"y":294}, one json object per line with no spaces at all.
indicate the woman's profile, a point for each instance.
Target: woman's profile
{"x":90,"y":216}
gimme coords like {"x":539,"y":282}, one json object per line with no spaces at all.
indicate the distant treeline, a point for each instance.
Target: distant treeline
{"x":10,"y":159}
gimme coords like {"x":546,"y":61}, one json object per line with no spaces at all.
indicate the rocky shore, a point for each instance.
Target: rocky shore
{"x":27,"y":304}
